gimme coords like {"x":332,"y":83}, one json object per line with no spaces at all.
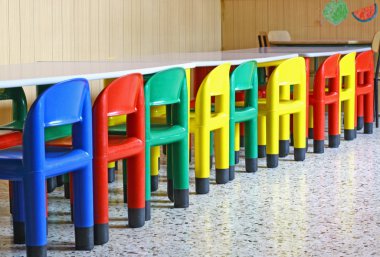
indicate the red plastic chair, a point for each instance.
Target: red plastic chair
{"x":124,"y":96}
{"x":326,"y":94}
{"x":9,"y":138}
{"x":364,"y":91}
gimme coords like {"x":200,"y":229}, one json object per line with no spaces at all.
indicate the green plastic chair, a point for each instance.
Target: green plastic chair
{"x":244,"y":78}
{"x":19,"y":107}
{"x":169,"y":88}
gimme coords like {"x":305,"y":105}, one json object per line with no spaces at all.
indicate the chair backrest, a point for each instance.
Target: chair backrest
{"x":244,"y":77}
{"x":123,"y":96}
{"x":165,"y":87}
{"x":291,"y":72}
{"x":68,"y":102}
{"x":365,"y":66}
{"x":216,"y":83}
{"x":19,"y":105}
{"x":347,"y":72}
{"x":279,"y":35}
{"x":328,"y":70}
{"x":364,"y":61}
{"x":263,"y":39}
{"x":376,"y":42}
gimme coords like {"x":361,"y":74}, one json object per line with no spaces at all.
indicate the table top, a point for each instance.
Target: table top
{"x":41,"y":73}
{"x":316,"y":42}
{"x":306,"y":51}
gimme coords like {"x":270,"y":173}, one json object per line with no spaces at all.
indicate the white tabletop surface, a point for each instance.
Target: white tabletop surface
{"x":40,"y":73}
{"x":306,"y":51}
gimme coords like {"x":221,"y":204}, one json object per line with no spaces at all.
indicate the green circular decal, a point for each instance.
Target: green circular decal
{"x":335,"y":11}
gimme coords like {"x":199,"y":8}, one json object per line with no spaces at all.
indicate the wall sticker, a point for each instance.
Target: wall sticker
{"x":366,"y":14}
{"x":335,"y":11}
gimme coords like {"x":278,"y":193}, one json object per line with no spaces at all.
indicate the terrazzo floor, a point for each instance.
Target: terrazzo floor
{"x":328,"y":205}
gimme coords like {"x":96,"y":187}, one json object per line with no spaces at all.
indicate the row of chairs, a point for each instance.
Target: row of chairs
{"x":94,"y":143}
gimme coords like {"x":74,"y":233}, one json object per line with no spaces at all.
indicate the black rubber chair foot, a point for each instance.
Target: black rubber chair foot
{"x":84,"y":238}
{"x":242,"y":141}
{"x":299,"y":154}
{"x":349,"y":134}
{"x":211,"y":160}
{"x":18,"y":232}
{"x":66,"y":187}
{"x":368,"y":128}
{"x":237,"y":155}
{"x":170,"y":190}
{"x":262,"y":151}
{"x":272,"y":160}
{"x":251,"y":164}
{"x":291,"y":140}
{"x":59,"y":180}
{"x":147,"y":211}
{"x":311,"y":133}
{"x":153,"y":183}
{"x":101,"y":233}
{"x":319,"y":146}
{"x":111,"y":175}
{"x":136,"y":217}
{"x":334,"y":141}
{"x":181,"y":198}
{"x":51,"y":184}
{"x":36,"y":251}
{"x":231,"y":171}
{"x":360,"y":123}
{"x":202,"y":185}
{"x":222,"y":176}
{"x":284,"y":148}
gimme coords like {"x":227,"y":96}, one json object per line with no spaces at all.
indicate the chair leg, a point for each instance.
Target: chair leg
{"x":360,"y":112}
{"x":180,"y":167}
{"x":334,"y":124}
{"x":368,"y":113}
{"x":221,"y":155}
{"x":202,"y":160}
{"x":284,"y":142}
{"x":154,"y":167}
{"x":125,"y":196}
{"x":250,"y":138}
{"x":83,"y":208}
{"x":35,"y":214}
{"x":319,"y":127}
{"x":147,"y":181}
{"x":111,"y":172}
{"x":262,"y":152}
{"x":18,"y":212}
{"x":272,"y":125}
{"x":349,"y":119}
{"x":170,"y":170}
{"x":232,"y":137}
{"x":51,"y":184}
{"x":136,"y":190}
{"x":100,"y":186}
{"x":300,"y":138}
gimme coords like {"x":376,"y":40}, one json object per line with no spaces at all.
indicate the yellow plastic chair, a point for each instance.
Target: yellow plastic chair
{"x":203,"y":121}
{"x":278,"y":104}
{"x":347,"y":94}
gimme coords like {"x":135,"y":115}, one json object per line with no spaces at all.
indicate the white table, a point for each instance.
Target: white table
{"x":41,"y":73}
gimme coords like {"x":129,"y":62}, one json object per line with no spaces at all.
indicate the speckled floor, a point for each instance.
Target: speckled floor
{"x":328,"y":205}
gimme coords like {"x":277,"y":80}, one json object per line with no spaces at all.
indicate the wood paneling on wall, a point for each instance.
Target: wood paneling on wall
{"x":74,"y":30}
{"x":243,"y":19}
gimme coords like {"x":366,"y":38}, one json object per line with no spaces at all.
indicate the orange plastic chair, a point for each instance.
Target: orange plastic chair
{"x":364,"y":91}
{"x":124,"y":96}
{"x":325,"y":94}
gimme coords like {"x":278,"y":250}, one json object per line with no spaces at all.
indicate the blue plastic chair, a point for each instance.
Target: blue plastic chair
{"x":28,"y":166}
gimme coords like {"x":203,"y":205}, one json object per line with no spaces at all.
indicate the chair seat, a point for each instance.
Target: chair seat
{"x":285,"y":106}
{"x":9,"y":138}
{"x":11,"y":161}
{"x":120,"y":147}
{"x":364,"y":89}
{"x":244,"y":113}
{"x":15,"y":125}
{"x":165,"y":134}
